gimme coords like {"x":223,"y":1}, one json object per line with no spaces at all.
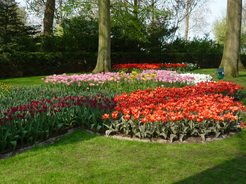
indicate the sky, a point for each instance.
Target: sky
{"x":217,"y":10}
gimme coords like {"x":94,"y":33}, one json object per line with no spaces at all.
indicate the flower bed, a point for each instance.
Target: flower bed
{"x":134,"y":80}
{"x":4,"y":88}
{"x":101,"y":78}
{"x":176,"y":113}
{"x":129,"y":67}
{"x":26,"y":124}
{"x":156,"y":105}
{"x":144,"y":66}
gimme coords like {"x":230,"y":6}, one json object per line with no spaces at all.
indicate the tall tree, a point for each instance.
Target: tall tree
{"x":135,"y":10}
{"x":219,"y":28}
{"x":153,"y":10}
{"x":104,"y":42}
{"x":49,"y":17}
{"x":187,"y":18}
{"x":12,"y":28}
{"x":188,"y":12}
{"x":231,"y":53}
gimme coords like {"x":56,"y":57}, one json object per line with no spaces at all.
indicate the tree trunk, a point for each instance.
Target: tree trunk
{"x":135,"y":8}
{"x":153,"y":11}
{"x":187,"y":19}
{"x":104,"y":48}
{"x":49,"y":17}
{"x":231,"y":54}
{"x":241,"y":67}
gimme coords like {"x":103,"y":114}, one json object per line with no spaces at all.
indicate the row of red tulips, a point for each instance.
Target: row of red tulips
{"x":143,"y":66}
{"x":53,"y":106}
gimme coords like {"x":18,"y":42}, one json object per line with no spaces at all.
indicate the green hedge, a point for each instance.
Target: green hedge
{"x":33,"y":64}
{"x":21,"y":64}
{"x":202,"y":60}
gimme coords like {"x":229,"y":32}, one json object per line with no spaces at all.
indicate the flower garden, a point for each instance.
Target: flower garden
{"x":138,"y":100}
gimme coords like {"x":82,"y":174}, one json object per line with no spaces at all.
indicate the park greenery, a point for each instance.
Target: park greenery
{"x":146,"y":102}
{"x":128,"y":33}
{"x":29,"y":53}
{"x":157,"y":90}
{"x":138,"y":34}
{"x":83,"y":156}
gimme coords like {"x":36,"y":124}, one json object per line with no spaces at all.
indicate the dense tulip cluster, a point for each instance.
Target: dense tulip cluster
{"x":203,"y":103}
{"x":197,"y":103}
{"x":25,"y":124}
{"x":144,"y":66}
{"x":145,"y":75}
{"x":53,"y":106}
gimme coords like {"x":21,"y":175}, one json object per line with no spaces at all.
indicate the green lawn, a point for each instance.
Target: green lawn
{"x":85,"y":158}
{"x":24,"y":81}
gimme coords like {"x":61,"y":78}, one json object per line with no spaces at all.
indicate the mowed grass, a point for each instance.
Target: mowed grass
{"x":24,"y":81}
{"x":84,"y":158}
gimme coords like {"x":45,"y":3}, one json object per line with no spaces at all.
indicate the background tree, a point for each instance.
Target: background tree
{"x":219,"y":30}
{"x":187,"y":14}
{"x":64,"y":9}
{"x":146,"y":32}
{"x":46,"y":12}
{"x":49,"y":17}
{"x":80,"y":34}
{"x":196,"y":10}
{"x":14,"y":35}
{"x":104,"y":50}
{"x":187,"y":18}
{"x":231,"y":53}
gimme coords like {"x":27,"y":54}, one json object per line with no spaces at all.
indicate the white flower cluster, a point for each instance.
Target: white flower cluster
{"x":198,"y":77}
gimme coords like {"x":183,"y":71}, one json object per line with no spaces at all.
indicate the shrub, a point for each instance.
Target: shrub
{"x":33,"y":64}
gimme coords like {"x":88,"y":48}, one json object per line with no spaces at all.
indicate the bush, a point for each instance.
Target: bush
{"x":23,"y":64}
{"x":33,"y":64}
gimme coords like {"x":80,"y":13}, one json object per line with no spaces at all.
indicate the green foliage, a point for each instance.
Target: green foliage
{"x":78,"y":34}
{"x":219,"y":30}
{"x":81,"y":33}
{"x":159,"y":33}
{"x":14,"y":35}
{"x":4,"y":90}
{"x":139,"y":29}
{"x":83,"y":8}
{"x":21,"y":64}
{"x":170,"y":130}
{"x":203,"y":45}
{"x":25,"y":94}
{"x":39,"y":112}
